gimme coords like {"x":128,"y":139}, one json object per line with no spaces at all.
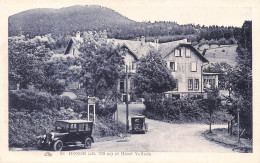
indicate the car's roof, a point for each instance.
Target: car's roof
{"x":138,"y":116}
{"x":74,"y":121}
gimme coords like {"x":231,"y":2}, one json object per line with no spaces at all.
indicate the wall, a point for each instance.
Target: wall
{"x":183,"y":72}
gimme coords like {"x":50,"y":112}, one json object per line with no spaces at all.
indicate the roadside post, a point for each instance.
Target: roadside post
{"x":238,"y":127}
{"x":91,"y":103}
{"x":127,"y":123}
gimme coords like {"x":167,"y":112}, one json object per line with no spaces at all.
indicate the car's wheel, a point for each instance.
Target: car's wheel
{"x":58,"y":145}
{"x":40,"y":144}
{"x":87,"y":143}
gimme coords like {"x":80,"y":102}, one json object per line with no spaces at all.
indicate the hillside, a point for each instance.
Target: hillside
{"x":66,"y":21}
{"x":218,"y":54}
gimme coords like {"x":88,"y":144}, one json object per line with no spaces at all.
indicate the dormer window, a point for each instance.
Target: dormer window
{"x":177,"y":52}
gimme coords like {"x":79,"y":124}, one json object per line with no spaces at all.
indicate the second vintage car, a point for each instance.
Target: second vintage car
{"x":138,"y":124}
{"x":67,"y":132}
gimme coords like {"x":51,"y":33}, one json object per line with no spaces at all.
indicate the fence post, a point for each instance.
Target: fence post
{"x":228,"y":127}
{"x":231,"y":127}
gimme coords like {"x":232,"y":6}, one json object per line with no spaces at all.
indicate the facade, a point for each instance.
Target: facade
{"x":183,"y":60}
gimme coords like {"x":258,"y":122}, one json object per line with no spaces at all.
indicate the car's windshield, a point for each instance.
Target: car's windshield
{"x":61,"y":126}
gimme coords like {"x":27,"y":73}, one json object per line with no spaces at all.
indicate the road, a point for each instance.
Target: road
{"x":161,"y":137}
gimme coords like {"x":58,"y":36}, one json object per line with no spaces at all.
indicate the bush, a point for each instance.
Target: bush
{"x":33,"y":113}
{"x":180,"y":111}
{"x":105,"y":108}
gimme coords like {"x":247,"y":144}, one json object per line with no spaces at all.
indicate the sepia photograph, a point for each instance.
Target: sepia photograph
{"x":128,"y":80}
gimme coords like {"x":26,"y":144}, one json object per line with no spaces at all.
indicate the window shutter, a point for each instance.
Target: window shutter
{"x":175,"y":66}
{"x":193,"y":66}
{"x":188,"y":53}
{"x":177,"y":52}
{"x":168,"y":65}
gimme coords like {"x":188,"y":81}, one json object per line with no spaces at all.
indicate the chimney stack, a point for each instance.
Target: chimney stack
{"x":78,"y":35}
{"x":142,"y":40}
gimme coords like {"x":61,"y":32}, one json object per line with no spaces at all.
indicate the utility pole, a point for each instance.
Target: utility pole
{"x":238,"y":127}
{"x":127,"y":124}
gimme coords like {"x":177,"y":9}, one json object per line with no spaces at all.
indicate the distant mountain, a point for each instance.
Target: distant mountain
{"x":65,"y":20}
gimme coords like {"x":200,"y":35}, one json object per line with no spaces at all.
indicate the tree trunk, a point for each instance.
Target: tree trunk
{"x":210,"y":121}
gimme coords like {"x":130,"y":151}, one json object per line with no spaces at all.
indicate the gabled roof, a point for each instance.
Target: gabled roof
{"x":166,"y":48}
{"x":74,"y":41}
{"x":137,"y":48}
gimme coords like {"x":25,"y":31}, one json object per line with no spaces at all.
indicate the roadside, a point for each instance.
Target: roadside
{"x":222,"y":137}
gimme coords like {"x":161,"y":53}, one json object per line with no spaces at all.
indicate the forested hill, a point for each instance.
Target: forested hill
{"x":66,"y":21}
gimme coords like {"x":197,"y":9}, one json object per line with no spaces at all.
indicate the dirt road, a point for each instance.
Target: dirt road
{"x":161,"y":137}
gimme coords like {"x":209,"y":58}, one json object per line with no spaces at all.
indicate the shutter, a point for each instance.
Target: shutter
{"x":175,"y":66}
{"x":193,"y":66}
{"x":168,"y":65}
{"x":188,"y":53}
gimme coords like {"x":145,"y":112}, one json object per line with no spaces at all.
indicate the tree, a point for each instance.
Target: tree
{"x":26,"y":60}
{"x":101,"y":64}
{"x":152,"y":76}
{"x":225,"y":73}
{"x":211,"y":104}
{"x":242,"y":77}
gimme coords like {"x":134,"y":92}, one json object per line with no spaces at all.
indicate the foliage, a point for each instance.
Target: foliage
{"x":101,"y":63}
{"x":241,"y":83}
{"x":225,"y":73}
{"x":152,"y":75}
{"x":182,"y":110}
{"x":211,"y":103}
{"x":105,"y":108}
{"x":29,"y":111}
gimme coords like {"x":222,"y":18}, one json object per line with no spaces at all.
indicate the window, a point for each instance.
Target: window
{"x":196,"y":84}
{"x":122,"y":86}
{"x":182,"y":51}
{"x":193,"y":66}
{"x":82,"y":127}
{"x":133,"y":65}
{"x":190,"y":84}
{"x":188,"y":55}
{"x":173,"y":66}
{"x":176,"y":86}
{"x":177,"y":53}
{"x":73,"y":127}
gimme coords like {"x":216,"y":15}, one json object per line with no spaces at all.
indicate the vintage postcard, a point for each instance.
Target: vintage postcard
{"x":129,"y":81}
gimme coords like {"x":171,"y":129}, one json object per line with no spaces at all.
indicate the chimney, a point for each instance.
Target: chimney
{"x":142,"y":40}
{"x":78,"y":35}
{"x":156,"y":41}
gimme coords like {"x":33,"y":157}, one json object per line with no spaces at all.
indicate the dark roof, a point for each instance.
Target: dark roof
{"x":68,"y":47}
{"x":137,"y":48}
{"x":72,"y":40}
{"x":196,"y":52}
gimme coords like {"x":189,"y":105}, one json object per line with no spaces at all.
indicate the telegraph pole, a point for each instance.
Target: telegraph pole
{"x":127,"y":124}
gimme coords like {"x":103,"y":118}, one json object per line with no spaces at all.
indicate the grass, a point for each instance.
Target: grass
{"x":222,"y":137}
{"x":224,"y":53}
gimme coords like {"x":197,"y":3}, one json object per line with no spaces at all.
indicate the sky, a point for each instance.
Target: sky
{"x":210,"y":12}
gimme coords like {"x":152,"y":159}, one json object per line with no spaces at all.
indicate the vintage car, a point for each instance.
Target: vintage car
{"x":67,"y":132}
{"x":138,"y":124}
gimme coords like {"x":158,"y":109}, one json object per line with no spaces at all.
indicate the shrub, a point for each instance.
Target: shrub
{"x":105,"y":108}
{"x":181,"y":110}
